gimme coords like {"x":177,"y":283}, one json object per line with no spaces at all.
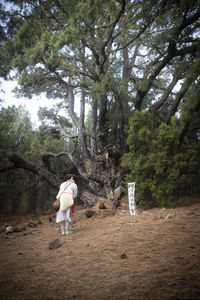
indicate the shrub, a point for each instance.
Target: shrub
{"x":156,"y":162}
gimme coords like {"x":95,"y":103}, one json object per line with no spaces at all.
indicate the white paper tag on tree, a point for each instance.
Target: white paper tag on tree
{"x":131,"y":198}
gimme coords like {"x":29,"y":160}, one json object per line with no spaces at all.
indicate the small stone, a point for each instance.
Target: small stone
{"x":32,"y":224}
{"x":89,"y":213}
{"x":69,"y":253}
{"x":55,"y":244}
{"x":20,"y":253}
{"x":87,"y":245}
{"x":117,"y":192}
{"x":191,"y":213}
{"x":192,"y":247}
{"x":123,"y":255}
{"x":10,"y":229}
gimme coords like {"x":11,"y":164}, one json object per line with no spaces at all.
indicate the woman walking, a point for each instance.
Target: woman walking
{"x":63,"y":217}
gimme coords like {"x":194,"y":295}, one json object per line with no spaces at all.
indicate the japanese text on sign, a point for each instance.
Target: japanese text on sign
{"x":131,"y":198}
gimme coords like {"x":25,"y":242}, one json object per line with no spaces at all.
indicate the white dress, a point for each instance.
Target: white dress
{"x":71,"y":187}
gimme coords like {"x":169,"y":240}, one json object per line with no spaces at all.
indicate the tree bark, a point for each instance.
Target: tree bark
{"x":156,"y":106}
{"x":93,"y":128}
{"x":21,"y":163}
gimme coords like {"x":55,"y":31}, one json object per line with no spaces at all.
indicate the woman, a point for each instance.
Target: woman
{"x":63,"y":217}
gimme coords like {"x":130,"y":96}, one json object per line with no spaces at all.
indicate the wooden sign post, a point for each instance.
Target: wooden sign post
{"x":131,"y":198}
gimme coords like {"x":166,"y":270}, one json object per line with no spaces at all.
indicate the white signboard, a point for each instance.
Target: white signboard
{"x":131,"y":198}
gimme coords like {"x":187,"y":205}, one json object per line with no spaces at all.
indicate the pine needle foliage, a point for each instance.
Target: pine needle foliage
{"x":156,"y":162}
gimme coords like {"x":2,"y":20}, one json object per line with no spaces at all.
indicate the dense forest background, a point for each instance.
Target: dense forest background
{"x":127,"y":74}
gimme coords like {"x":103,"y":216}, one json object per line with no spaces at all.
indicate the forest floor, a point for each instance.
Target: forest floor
{"x":110,"y":256}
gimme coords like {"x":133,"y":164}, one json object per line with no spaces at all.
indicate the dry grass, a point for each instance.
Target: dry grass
{"x":162,"y":261}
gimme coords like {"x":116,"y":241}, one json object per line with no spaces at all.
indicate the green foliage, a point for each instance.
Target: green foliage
{"x":53,"y":117}
{"x":156,"y":163}
{"x":15,"y":129}
{"x":190,"y":106}
{"x":48,"y":139}
{"x":17,"y":134}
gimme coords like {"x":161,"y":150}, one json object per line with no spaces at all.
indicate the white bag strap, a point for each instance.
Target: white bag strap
{"x":67,"y":186}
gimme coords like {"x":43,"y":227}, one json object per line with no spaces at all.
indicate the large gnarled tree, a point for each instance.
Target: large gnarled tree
{"x":113,"y":56}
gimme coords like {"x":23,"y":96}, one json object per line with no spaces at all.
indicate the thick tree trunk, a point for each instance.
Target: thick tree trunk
{"x":96,"y":163}
{"x":104,"y":172}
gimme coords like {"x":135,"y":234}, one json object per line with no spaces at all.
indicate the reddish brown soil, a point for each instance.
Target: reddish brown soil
{"x":161,"y":247}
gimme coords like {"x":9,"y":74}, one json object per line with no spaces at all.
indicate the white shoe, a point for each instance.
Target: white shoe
{"x":69,"y":232}
{"x":63,"y":233}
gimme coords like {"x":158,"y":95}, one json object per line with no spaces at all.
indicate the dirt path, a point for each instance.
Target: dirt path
{"x":155,"y":255}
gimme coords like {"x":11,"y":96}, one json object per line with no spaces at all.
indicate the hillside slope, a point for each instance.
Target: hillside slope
{"x":110,"y":256}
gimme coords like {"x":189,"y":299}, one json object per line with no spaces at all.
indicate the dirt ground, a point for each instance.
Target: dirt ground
{"x":110,"y":256}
